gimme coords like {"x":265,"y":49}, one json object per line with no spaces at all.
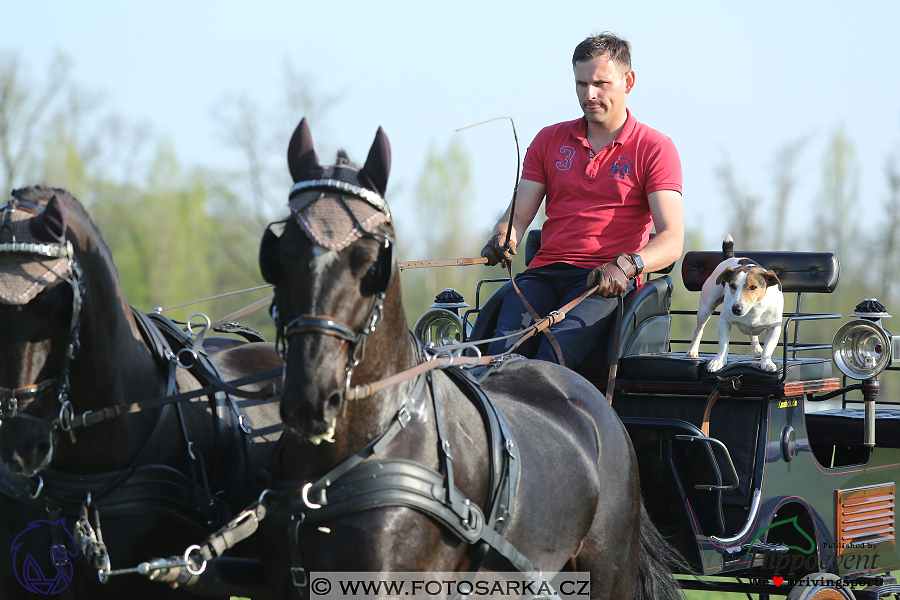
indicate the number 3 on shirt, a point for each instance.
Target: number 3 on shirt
{"x":566,"y":163}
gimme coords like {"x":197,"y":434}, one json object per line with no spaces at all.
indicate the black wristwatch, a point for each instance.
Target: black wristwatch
{"x":638,"y":264}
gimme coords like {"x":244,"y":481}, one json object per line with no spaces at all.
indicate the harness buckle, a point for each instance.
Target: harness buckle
{"x":298,"y":576}
{"x":445,"y":446}
{"x":510,"y":447}
{"x":404,"y":417}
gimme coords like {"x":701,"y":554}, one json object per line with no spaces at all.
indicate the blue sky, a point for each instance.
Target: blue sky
{"x":720,"y":78}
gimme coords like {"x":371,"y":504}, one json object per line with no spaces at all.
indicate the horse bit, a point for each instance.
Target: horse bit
{"x":12,"y":400}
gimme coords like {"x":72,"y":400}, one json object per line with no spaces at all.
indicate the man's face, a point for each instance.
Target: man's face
{"x":601,"y":87}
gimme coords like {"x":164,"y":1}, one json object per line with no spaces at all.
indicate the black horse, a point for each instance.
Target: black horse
{"x":339,"y":310}
{"x":72,"y":351}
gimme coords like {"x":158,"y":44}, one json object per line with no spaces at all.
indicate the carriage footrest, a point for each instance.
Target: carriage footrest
{"x":765,"y":547}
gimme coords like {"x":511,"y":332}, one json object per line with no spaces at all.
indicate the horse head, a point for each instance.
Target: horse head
{"x":49,"y":249}
{"x":332,"y":262}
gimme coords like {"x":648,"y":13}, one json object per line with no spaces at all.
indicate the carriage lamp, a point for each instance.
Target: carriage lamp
{"x":862,"y":349}
{"x":441,"y":324}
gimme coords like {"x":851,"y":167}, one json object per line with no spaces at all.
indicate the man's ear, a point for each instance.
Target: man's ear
{"x":629,"y":81}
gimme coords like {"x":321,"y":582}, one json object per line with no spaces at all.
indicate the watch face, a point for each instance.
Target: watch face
{"x":638,"y":263}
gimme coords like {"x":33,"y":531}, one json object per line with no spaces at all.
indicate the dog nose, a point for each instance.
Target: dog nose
{"x":736,"y":309}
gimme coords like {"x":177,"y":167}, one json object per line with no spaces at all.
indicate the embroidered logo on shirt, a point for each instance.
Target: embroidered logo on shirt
{"x":566,"y":163}
{"x":621,"y":168}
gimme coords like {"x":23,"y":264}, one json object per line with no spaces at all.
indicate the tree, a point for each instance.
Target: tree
{"x":742,"y":205}
{"x":836,"y":230}
{"x":785,"y":181}
{"x":24,"y":110}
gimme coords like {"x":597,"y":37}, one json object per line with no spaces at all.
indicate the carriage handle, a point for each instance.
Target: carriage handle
{"x":734,"y":474}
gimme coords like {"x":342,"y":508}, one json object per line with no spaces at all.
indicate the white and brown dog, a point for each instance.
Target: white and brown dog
{"x":751,"y":300}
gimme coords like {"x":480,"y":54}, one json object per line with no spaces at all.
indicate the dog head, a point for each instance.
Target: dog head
{"x":748,"y":285}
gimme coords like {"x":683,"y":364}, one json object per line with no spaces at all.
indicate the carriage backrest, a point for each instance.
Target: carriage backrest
{"x":797,"y":271}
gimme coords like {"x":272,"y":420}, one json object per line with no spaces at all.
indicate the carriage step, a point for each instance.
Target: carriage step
{"x":765,"y":548}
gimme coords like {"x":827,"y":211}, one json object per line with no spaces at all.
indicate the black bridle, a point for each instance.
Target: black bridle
{"x":325,"y":324}
{"x":14,"y":400}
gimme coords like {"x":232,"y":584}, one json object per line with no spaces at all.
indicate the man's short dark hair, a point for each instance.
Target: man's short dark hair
{"x":605,"y":44}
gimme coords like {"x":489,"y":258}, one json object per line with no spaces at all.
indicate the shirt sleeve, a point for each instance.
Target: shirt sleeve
{"x":533,"y":167}
{"x":663,"y":168}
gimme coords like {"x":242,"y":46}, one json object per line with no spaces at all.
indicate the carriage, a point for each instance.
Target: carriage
{"x":759,"y":489}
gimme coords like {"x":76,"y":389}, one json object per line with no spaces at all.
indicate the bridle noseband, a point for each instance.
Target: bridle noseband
{"x":13,"y":400}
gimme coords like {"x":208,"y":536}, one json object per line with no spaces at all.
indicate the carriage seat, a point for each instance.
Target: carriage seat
{"x":645,"y":326}
{"x":798,"y":272}
{"x":844,"y":427}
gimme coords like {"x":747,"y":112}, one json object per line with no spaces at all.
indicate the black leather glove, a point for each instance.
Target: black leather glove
{"x":493,"y":250}
{"x":612,"y":277}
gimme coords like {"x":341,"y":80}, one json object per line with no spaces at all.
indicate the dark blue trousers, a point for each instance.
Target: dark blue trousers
{"x":548,"y":288}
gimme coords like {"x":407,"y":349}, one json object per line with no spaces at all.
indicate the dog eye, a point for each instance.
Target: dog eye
{"x":752,"y":287}
{"x":732,"y":286}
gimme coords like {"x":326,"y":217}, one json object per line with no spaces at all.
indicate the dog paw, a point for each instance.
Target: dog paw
{"x":715,"y":364}
{"x":692,"y":353}
{"x":767,"y":365}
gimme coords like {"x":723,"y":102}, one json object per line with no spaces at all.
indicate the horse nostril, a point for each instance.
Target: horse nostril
{"x":334,"y":402}
{"x":42,"y":449}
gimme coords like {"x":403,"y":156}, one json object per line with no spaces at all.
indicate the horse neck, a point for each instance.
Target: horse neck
{"x":112,"y":367}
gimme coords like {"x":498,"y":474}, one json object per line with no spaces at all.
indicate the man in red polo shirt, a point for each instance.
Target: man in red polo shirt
{"x":608,"y":181}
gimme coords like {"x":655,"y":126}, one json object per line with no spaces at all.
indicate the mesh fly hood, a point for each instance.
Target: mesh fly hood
{"x":332,"y":219}
{"x":33,"y":251}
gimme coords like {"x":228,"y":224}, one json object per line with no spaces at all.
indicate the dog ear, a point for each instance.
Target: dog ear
{"x":772,"y":279}
{"x":725,"y":276}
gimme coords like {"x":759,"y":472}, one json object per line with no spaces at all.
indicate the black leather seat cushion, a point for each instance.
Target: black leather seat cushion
{"x":844,"y":427}
{"x":677,"y":366}
{"x":797,"y":271}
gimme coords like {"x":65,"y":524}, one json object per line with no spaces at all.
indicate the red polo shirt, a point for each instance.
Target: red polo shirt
{"x":597,"y":202}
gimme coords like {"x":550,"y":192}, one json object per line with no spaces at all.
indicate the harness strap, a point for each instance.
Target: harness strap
{"x":614,"y":359}
{"x":535,"y":317}
{"x":94,"y":417}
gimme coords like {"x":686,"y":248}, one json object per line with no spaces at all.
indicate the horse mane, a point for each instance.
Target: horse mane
{"x":343,"y":159}
{"x":39,"y":195}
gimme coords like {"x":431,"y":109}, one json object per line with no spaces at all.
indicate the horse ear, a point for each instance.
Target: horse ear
{"x":374,"y":175}
{"x":50,"y":225}
{"x":301,"y":155}
{"x":269,"y":261}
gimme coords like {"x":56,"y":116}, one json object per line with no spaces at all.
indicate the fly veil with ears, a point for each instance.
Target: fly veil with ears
{"x":35,"y":253}
{"x":335,"y":206}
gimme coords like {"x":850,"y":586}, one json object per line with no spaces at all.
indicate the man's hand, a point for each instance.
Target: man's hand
{"x":612,"y":277}
{"x":493,"y":250}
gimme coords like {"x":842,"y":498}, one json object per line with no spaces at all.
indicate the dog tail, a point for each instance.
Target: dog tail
{"x":728,"y":248}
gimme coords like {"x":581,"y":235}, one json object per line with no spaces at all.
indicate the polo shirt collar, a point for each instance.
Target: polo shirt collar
{"x":579,"y":129}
